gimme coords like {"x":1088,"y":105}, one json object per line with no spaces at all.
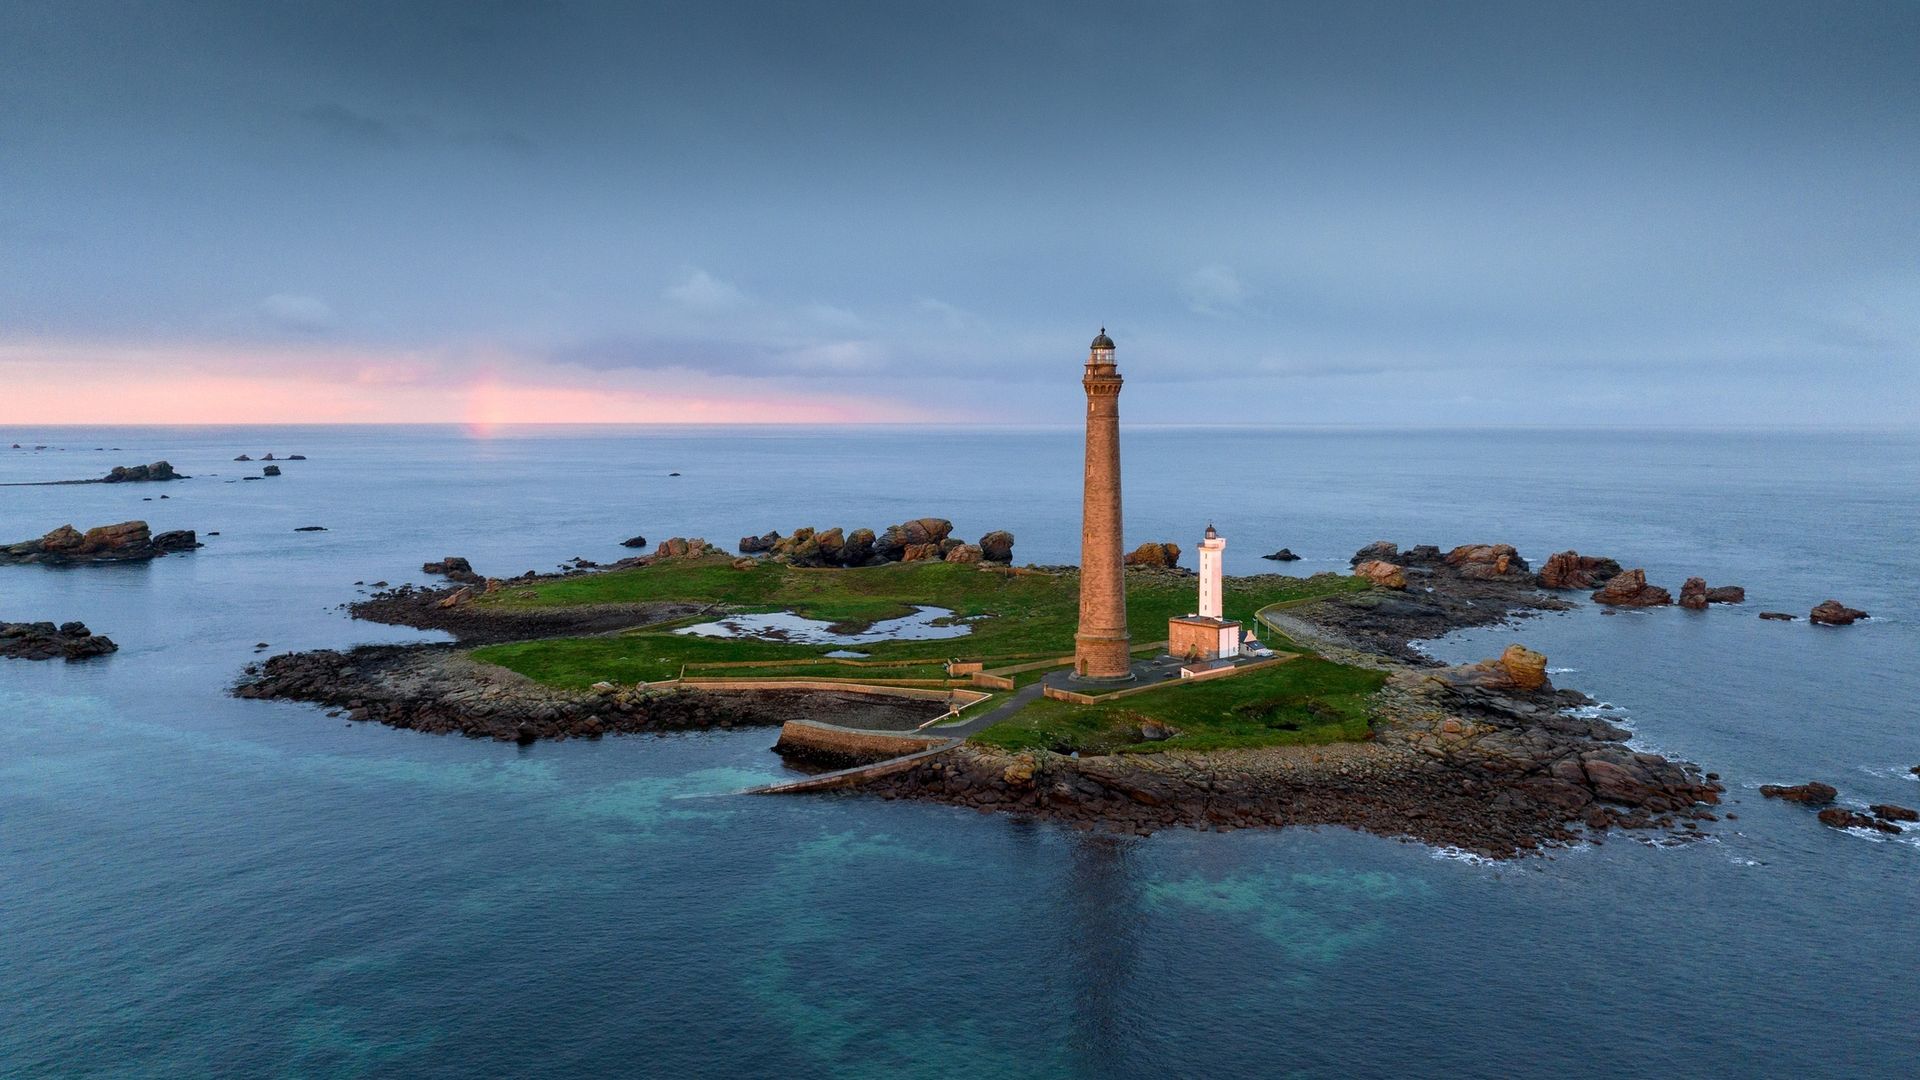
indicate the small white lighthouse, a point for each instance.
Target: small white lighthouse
{"x":1206,"y":635}
{"x":1212,"y":547}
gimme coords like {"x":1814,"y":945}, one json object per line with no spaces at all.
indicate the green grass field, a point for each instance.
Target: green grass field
{"x":1014,"y":616}
{"x":1305,"y":700}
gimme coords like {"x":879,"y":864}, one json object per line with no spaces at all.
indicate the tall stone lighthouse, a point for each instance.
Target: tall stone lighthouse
{"x":1101,"y":649}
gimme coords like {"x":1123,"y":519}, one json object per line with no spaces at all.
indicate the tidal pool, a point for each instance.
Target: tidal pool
{"x":925,"y":624}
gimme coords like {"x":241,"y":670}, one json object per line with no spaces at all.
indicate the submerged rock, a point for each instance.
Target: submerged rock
{"x":1811,"y":793}
{"x":1778,"y":616}
{"x":1839,"y":817}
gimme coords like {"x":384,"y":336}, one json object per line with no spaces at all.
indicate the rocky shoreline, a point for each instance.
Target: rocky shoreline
{"x":1488,"y":758}
{"x":437,"y":689}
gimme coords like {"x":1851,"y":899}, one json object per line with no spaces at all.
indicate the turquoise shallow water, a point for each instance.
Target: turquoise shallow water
{"x":192,"y":885}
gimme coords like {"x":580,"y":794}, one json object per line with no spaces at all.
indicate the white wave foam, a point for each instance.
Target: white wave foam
{"x":1454,"y":854}
{"x":1561,"y":670}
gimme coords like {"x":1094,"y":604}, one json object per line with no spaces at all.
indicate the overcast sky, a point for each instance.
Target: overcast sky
{"x":1418,"y":213}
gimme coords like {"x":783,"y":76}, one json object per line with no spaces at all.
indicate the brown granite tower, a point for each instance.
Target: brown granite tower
{"x":1101,"y":648}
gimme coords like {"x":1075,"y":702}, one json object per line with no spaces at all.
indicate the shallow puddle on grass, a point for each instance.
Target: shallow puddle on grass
{"x":925,"y":624}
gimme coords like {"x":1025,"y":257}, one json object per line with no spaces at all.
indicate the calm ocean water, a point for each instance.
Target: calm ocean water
{"x":192,"y":885}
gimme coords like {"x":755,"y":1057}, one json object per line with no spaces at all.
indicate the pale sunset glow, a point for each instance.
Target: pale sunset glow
{"x":225,"y":384}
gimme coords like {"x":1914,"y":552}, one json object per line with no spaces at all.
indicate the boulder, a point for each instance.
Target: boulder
{"x":1572,"y":570}
{"x":997,"y":546}
{"x":1486,"y":561}
{"x":176,"y":540}
{"x":1155,"y":731}
{"x":829,"y":544}
{"x":127,"y":534}
{"x":754,"y":545}
{"x":64,"y":538}
{"x":919,"y":552}
{"x":1835,"y":613}
{"x":1778,"y":616}
{"x":679,"y":547}
{"x":1629,"y":588}
{"x":858,"y":549}
{"x":892,"y":544}
{"x":1693,"y":594}
{"x":1420,"y":553}
{"x":1379,"y":550}
{"x":1527,"y":669}
{"x":1283,"y":555}
{"x":638,"y":542}
{"x":1891,"y":812}
{"x":1019,"y":772}
{"x":965,"y":553}
{"x":1159,"y":556}
{"x":1839,"y":817}
{"x":1384,"y":574}
{"x":1811,"y":793}
{"x":271,"y":470}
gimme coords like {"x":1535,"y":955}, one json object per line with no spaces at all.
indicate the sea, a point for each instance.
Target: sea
{"x":193,"y":885}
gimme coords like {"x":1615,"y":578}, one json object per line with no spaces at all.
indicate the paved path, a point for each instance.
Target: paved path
{"x":981,"y":721}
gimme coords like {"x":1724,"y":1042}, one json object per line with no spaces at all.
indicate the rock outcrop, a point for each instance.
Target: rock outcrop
{"x":1891,"y":812}
{"x":270,"y":470}
{"x":1695,"y":596}
{"x":1517,"y":668}
{"x":909,"y":541}
{"x":128,"y":541}
{"x":135,"y":474}
{"x":1487,"y":561}
{"x":453,"y":568}
{"x":1629,"y":588}
{"x":1835,"y":613}
{"x":1378,"y":551}
{"x":45,"y":641}
{"x":1811,"y":793}
{"x":1572,"y":570}
{"x":678,"y":547}
{"x":1384,"y":574}
{"x":1283,"y":555}
{"x":634,"y":542}
{"x":1156,"y":556}
{"x":1839,"y":817}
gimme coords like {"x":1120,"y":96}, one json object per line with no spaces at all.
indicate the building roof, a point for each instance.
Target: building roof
{"x":1103,"y":341}
{"x":1203,"y":620}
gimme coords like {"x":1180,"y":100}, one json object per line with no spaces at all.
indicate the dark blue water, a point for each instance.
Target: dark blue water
{"x":192,"y":885}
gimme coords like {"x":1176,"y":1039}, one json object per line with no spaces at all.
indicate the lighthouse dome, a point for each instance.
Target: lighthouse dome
{"x":1103,"y":341}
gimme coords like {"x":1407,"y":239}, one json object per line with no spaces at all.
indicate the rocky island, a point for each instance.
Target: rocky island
{"x":128,"y":541}
{"x":1352,"y":725}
